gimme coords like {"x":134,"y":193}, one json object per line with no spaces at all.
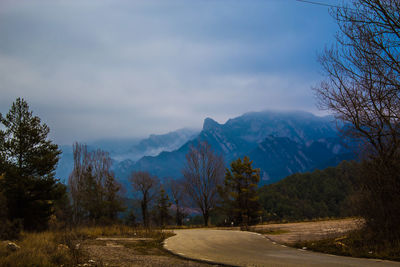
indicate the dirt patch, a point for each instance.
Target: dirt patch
{"x":290,"y":233}
{"x":131,"y":252}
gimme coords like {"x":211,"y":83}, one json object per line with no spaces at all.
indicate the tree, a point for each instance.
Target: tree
{"x":28,"y":161}
{"x":203,"y":172}
{"x":93,"y":187}
{"x":240,"y":189}
{"x":362,"y":89}
{"x":163,"y":205}
{"x":177,"y":191}
{"x":146,"y":185}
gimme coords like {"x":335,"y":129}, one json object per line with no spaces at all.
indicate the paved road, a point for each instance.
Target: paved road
{"x":250,"y":249}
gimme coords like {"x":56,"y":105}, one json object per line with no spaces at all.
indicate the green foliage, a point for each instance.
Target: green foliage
{"x":163,"y":204}
{"x":319,"y":194}
{"x":28,"y":160}
{"x":239,"y":193}
{"x":8,"y":229}
{"x":62,"y":216}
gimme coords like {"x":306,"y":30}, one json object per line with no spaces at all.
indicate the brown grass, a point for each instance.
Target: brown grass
{"x":39,"y":249}
{"x":56,"y":248}
{"x":267,"y":231}
{"x":355,"y":244}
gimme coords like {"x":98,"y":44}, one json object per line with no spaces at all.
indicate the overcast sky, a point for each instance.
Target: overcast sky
{"x":115,"y":69}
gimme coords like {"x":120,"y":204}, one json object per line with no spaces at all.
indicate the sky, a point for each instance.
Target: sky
{"x":97,"y":69}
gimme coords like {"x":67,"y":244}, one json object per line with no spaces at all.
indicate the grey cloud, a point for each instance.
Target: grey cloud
{"x":96,"y":69}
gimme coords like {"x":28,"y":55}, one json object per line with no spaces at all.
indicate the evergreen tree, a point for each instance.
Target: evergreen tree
{"x":131,"y":218}
{"x":28,"y":160}
{"x":239,"y":193}
{"x":113,"y":203}
{"x":163,"y":205}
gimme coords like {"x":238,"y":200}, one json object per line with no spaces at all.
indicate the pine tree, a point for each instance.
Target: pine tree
{"x":240,"y":192}
{"x":113,"y":203}
{"x":28,"y":161}
{"x":163,"y":206}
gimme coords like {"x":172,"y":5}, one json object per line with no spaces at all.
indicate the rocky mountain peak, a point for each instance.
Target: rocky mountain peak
{"x":210,"y":124}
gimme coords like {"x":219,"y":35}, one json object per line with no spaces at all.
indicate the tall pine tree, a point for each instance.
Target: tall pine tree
{"x":163,"y":205}
{"x":28,"y":161}
{"x":240,"y":193}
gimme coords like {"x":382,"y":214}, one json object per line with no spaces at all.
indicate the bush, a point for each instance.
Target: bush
{"x":10,"y":230}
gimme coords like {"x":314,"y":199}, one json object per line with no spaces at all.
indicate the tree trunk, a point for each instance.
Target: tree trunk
{"x":206,"y":216}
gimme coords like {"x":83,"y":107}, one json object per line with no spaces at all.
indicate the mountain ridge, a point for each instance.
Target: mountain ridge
{"x":299,"y":140}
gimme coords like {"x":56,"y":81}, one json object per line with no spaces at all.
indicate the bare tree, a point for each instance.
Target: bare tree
{"x":147,"y":186}
{"x":76,"y":181}
{"x":93,"y":188}
{"x":362,"y":88}
{"x":177,"y":191}
{"x":203,"y":172}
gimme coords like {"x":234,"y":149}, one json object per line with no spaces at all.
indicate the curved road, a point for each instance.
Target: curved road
{"x":239,"y":248}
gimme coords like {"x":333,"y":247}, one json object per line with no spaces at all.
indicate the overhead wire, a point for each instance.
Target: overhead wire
{"x":327,"y":5}
{"x":317,"y":3}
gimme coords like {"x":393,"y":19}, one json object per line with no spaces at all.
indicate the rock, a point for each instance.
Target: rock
{"x":62,"y":247}
{"x":77,"y":246}
{"x":12,"y":246}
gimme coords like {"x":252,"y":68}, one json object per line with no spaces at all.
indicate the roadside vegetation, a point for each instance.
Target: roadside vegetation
{"x":66,"y":247}
{"x":354,"y":244}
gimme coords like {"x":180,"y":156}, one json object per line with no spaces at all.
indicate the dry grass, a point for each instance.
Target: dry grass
{"x":268,"y":231}
{"x":56,"y":248}
{"x":40,"y":249}
{"x":355,"y":244}
{"x":86,"y":232}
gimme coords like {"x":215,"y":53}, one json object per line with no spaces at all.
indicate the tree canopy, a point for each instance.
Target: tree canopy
{"x":28,"y":161}
{"x":240,"y":192}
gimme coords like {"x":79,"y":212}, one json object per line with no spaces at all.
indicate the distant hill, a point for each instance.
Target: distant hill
{"x":318,"y":194}
{"x":279,"y":143}
{"x":124,"y":152}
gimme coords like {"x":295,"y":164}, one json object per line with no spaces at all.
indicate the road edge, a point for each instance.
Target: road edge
{"x":180,"y":255}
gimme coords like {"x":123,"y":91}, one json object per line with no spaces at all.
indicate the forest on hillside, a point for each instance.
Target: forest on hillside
{"x":318,"y":194}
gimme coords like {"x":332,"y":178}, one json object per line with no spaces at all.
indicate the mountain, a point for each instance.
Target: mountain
{"x":124,"y":152}
{"x":155,"y":144}
{"x":279,"y":143}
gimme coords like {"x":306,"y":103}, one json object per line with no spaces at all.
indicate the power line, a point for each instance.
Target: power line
{"x":317,"y":3}
{"x":327,"y":5}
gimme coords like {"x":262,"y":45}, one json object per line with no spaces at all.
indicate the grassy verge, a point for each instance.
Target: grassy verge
{"x":355,"y":244}
{"x":267,"y":231}
{"x":61,"y":248}
{"x":41,"y":249}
